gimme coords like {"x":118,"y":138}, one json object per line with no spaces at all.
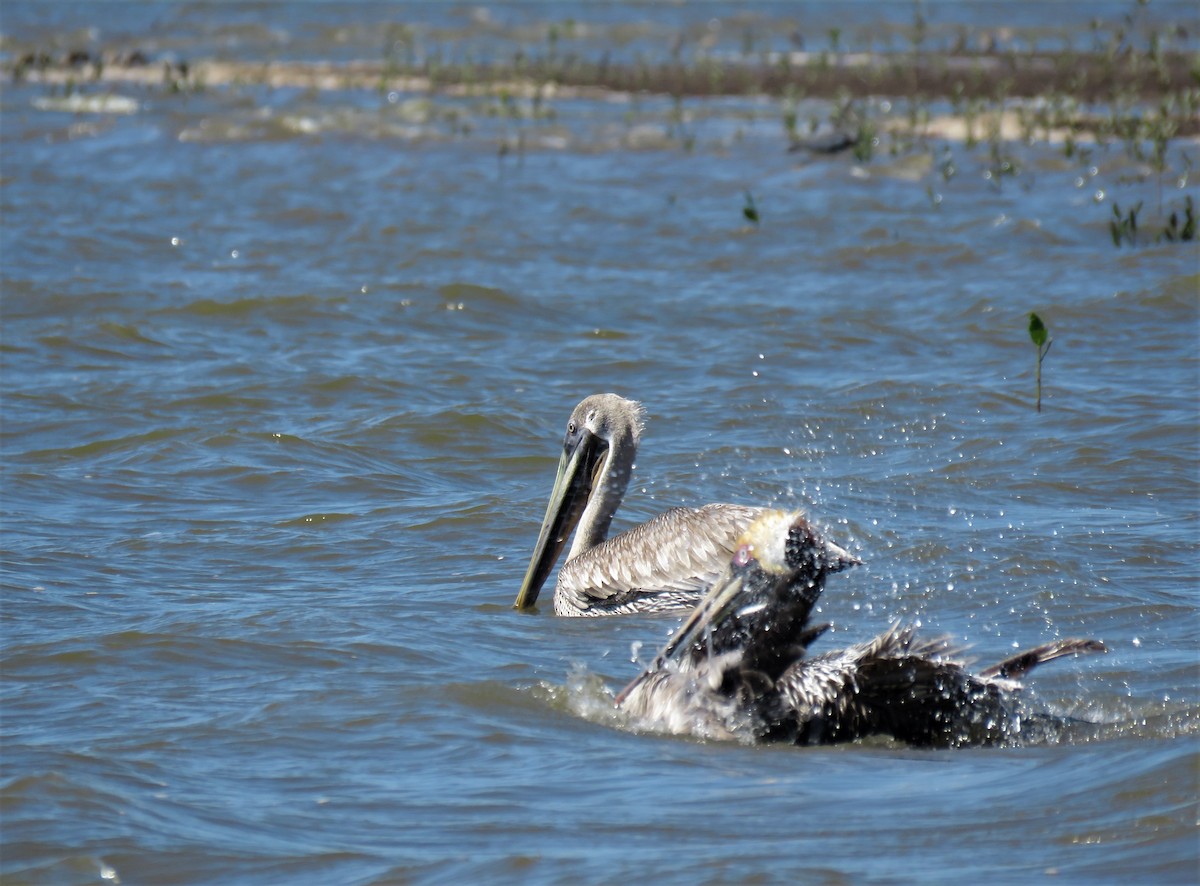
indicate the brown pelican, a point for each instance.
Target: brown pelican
{"x":738,"y":668}
{"x":665,"y":563}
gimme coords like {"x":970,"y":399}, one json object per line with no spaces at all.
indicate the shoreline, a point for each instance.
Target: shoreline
{"x":1157,"y":96}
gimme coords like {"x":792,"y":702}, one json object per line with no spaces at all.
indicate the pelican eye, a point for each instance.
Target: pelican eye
{"x":743,"y":555}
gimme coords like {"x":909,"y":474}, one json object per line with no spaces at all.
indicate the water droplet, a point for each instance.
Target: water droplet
{"x":1098,"y":197}
{"x":233,"y":253}
{"x":175,"y":241}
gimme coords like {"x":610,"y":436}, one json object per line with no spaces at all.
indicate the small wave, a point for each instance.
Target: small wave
{"x":279,"y":307}
{"x":107,"y":446}
{"x":78,"y":103}
{"x":314,"y":520}
{"x":129,"y":332}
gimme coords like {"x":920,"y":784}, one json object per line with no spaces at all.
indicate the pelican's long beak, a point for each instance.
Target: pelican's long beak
{"x":715,"y":605}
{"x":712,"y":608}
{"x":573,"y":485}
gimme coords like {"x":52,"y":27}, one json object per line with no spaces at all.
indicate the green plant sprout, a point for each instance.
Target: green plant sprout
{"x":1037,"y":332}
{"x":1124,"y":227}
{"x":1173,"y":230}
{"x":750,"y":211}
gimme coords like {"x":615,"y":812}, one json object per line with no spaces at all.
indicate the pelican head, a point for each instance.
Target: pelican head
{"x":776,"y":573}
{"x":593,"y":472}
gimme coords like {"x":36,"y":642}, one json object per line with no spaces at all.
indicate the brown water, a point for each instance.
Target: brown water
{"x":284,"y":378}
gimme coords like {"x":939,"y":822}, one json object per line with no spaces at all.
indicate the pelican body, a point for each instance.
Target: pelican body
{"x":663,"y":564}
{"x":739,"y":667}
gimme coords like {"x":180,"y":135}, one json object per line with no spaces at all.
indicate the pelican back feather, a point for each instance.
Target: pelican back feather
{"x":663,"y":564}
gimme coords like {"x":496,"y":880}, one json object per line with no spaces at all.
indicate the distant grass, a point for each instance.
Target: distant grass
{"x":1170,"y":80}
{"x":1134,"y":89}
{"x":1122,"y":97}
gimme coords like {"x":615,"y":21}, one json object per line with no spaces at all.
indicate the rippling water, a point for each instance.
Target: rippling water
{"x":284,"y":379}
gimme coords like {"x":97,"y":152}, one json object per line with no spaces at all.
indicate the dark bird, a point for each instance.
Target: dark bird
{"x":739,"y":667}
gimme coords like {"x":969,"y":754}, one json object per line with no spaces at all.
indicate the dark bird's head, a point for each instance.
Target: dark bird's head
{"x":767,"y":591}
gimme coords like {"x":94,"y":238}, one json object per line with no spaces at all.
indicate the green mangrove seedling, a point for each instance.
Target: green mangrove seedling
{"x":1173,"y":230}
{"x":1037,"y":332}
{"x":1124,"y":227}
{"x":750,"y":210}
